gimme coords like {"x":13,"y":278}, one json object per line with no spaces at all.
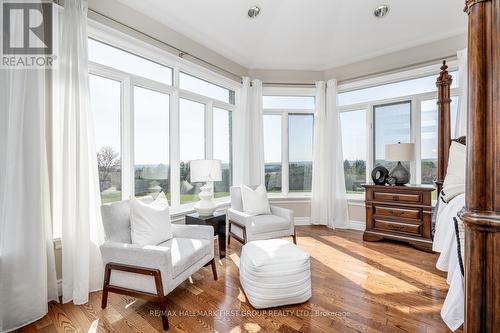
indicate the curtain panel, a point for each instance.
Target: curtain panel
{"x":75,"y":176}
{"x":27,"y":265}
{"x":328,"y":201}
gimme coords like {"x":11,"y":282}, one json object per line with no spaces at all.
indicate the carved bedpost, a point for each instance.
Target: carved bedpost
{"x":443,"y":84}
{"x":482,"y":211}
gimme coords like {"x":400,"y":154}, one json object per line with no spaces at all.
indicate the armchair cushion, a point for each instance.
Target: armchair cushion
{"x":186,"y":252}
{"x":268,"y":223}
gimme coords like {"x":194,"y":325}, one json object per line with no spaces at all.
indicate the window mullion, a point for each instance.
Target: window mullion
{"x":370,"y":142}
{"x":175,"y":184}
{"x":284,"y":154}
{"x":127,"y":139}
{"x":209,"y":130}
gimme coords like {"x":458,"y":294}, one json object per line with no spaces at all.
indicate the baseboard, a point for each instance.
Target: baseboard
{"x":357,"y":225}
{"x":302,"y":221}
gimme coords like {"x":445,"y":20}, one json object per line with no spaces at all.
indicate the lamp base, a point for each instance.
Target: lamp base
{"x":206,"y":206}
{"x":400,"y":173}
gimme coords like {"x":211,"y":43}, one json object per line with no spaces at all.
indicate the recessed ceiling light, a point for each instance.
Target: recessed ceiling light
{"x":381,"y":11}
{"x":253,"y":12}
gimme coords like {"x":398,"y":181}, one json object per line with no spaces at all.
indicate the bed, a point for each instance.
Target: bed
{"x":474,"y":292}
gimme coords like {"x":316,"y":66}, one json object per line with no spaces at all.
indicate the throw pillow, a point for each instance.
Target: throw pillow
{"x":455,"y":174}
{"x":149,"y":224}
{"x":255,"y":202}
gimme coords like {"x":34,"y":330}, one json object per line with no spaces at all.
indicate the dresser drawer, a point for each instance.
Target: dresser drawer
{"x":397,"y":196}
{"x":408,"y":213}
{"x":409,"y":228}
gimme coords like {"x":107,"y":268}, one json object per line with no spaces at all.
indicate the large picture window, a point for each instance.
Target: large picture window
{"x":354,"y":137}
{"x":403,"y":111}
{"x":151,"y":142}
{"x":149,"y":126}
{"x":106,"y":108}
{"x":223,"y":138}
{"x":392,"y":124}
{"x":272,"y":153}
{"x":192,"y":145}
{"x":300,"y":144}
{"x":288,"y":141}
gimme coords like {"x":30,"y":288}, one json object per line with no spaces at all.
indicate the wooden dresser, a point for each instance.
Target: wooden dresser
{"x":402,"y":213}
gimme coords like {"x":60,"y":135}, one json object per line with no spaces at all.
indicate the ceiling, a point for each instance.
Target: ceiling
{"x":306,"y":34}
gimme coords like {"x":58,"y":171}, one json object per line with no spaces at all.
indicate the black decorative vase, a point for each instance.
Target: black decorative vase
{"x":400,"y":174}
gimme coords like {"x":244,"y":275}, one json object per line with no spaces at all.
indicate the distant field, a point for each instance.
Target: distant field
{"x":185,"y":198}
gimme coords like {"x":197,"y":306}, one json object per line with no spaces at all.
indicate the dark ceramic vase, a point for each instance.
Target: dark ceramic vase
{"x":401,"y":175}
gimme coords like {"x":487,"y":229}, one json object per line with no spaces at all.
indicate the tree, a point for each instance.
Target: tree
{"x":107,"y":162}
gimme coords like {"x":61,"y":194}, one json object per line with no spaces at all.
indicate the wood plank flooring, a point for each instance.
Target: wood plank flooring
{"x":357,"y":287}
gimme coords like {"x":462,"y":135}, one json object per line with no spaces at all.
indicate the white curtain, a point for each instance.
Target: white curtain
{"x":249,"y":155}
{"x":328,"y":202}
{"x":27,"y":268}
{"x":76,"y":191}
{"x":461,"y":120}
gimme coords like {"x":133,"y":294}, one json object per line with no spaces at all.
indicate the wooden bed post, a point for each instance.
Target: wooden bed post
{"x":444,"y":124}
{"x":482,"y":211}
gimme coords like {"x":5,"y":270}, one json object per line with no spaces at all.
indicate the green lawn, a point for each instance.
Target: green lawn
{"x":185,"y":198}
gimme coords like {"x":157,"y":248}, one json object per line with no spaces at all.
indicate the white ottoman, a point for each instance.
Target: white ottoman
{"x":274,"y":272}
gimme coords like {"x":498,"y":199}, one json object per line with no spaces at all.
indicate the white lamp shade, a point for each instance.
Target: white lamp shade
{"x":399,"y":152}
{"x":205,"y":171}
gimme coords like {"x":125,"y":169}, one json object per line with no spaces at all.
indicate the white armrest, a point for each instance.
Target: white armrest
{"x":150,"y":256}
{"x":193,"y":231}
{"x":239,"y":218}
{"x":282,"y":212}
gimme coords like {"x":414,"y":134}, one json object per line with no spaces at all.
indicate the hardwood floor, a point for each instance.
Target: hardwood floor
{"x":357,"y":287}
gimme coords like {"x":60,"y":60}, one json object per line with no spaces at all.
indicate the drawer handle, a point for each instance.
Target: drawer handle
{"x":396,"y":212}
{"x":395,"y":198}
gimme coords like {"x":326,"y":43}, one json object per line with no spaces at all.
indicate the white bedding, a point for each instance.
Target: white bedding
{"x":445,"y":242}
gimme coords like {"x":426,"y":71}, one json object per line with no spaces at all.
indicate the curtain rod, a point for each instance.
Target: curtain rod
{"x":288,"y":84}
{"x":181,"y":53}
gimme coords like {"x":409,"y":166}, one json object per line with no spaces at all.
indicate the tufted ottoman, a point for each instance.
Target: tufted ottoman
{"x":274,"y":272}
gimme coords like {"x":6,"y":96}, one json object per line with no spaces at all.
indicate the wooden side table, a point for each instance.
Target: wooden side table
{"x":218,"y":221}
{"x":402,"y":213}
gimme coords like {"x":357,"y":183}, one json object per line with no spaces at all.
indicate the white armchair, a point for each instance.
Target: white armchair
{"x":245,"y":228}
{"x":152,"y":271}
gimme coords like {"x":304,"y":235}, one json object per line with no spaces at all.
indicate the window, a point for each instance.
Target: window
{"x":105,"y":104}
{"x":110,"y":56}
{"x":222,"y":150}
{"x":392,"y":90}
{"x":300,"y":143}
{"x":288,"y":139}
{"x":288,"y":102}
{"x":354,"y":135}
{"x":202,"y":87}
{"x":192,"y":145}
{"x":272,"y":152}
{"x":151,"y":142}
{"x":392,"y":124}
{"x":428,"y":137}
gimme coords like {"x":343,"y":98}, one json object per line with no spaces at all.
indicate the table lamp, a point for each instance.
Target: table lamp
{"x":399,"y":152}
{"x":207,"y":171}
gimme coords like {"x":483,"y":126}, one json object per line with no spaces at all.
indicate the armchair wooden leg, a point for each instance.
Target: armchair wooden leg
{"x":214,"y":268}
{"x":161,"y":300}
{"x":107,"y":275}
{"x":294,"y":239}
{"x":228,"y":239}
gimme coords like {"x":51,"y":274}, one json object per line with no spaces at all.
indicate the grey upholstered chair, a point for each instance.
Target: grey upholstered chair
{"x":245,"y":228}
{"x":153,"y":271}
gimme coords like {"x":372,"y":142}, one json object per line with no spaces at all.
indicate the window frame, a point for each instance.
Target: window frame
{"x":415,"y":117}
{"x":127,"y":81}
{"x":284,"y":113}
